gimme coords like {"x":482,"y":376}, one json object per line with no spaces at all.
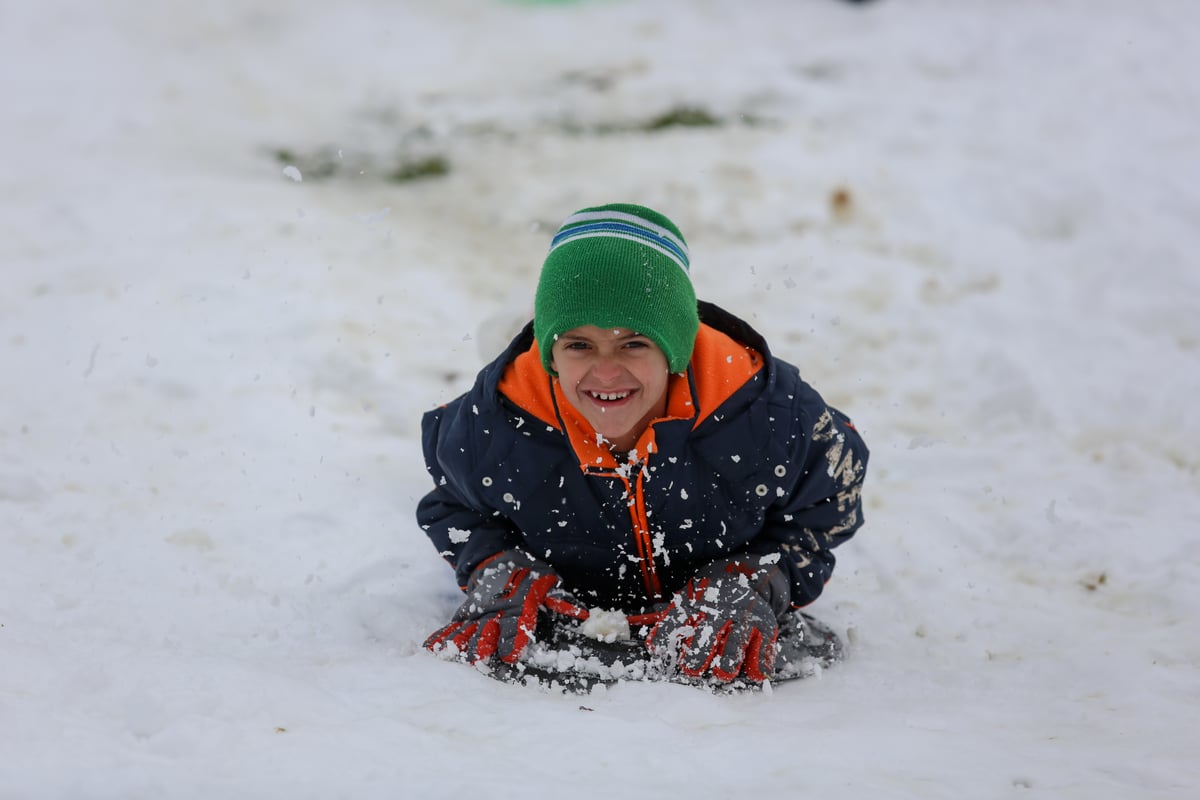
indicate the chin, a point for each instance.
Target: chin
{"x":612,"y":435}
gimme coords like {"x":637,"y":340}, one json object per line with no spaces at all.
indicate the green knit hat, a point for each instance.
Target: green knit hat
{"x":618,"y":266}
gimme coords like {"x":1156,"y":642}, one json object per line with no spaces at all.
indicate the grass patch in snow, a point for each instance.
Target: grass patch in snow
{"x":326,"y":163}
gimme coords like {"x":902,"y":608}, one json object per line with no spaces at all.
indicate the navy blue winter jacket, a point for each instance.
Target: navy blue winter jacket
{"x":749,"y":459}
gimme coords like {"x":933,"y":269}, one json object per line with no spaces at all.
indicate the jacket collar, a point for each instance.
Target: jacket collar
{"x":720,"y":366}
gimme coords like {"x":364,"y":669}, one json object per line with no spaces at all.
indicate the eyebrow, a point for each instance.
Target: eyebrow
{"x":576,"y":337}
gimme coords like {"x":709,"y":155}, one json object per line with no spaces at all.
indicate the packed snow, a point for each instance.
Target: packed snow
{"x":606,"y":625}
{"x":246,"y":244}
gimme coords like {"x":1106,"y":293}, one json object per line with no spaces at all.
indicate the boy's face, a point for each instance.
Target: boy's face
{"x":615,"y":378}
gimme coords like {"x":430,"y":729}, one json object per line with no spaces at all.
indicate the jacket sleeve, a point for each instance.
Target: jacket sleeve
{"x":456,"y":518}
{"x":824,"y":507}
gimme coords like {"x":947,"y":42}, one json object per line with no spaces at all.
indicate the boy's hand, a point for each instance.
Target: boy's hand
{"x":724,"y":622}
{"x":504,"y":597}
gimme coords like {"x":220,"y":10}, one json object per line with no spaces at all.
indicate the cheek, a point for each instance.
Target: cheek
{"x":568,"y":373}
{"x":654,"y":381}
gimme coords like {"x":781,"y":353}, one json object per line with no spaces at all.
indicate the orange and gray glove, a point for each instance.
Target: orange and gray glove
{"x":505,"y":595}
{"x":723,"y":623}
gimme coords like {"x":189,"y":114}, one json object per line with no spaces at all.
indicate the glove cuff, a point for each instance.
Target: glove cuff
{"x":764,"y":573}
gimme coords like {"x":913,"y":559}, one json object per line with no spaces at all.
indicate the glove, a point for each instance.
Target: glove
{"x":504,"y":597}
{"x":724,"y":621}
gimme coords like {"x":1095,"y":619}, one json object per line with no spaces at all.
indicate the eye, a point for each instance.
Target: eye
{"x":634,"y":344}
{"x":576,"y":345}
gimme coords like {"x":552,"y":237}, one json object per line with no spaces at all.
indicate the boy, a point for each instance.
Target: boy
{"x":638,"y":451}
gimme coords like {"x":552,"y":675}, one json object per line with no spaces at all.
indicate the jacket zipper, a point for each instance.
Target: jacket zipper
{"x":640,"y":523}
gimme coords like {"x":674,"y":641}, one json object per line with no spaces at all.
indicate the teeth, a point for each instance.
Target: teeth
{"x":610,"y":395}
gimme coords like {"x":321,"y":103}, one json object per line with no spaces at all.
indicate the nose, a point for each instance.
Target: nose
{"x":606,"y":368}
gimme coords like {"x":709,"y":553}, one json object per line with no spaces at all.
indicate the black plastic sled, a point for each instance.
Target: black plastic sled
{"x":565,"y":660}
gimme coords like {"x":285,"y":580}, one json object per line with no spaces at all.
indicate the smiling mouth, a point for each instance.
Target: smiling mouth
{"x":609,"y":397}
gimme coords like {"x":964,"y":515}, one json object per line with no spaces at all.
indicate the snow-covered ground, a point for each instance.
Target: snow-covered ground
{"x":972,"y":224}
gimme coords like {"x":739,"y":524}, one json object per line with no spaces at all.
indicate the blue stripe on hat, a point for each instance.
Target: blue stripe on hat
{"x":623,"y":230}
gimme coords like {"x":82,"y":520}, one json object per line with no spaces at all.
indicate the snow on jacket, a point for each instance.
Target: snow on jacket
{"x":748,"y":459}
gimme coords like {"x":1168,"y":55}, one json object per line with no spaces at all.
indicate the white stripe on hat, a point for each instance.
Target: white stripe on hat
{"x":566,"y":232}
{"x":633,"y":219}
{"x":639,"y":239}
